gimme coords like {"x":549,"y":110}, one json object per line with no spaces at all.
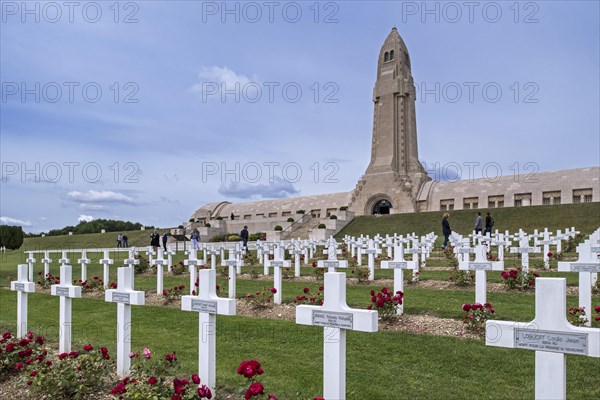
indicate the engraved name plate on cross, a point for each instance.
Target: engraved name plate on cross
{"x":207,"y":305}
{"x":524,"y":249}
{"x":480,"y":266}
{"x":125,"y":297}
{"x":586,"y":265}
{"x":371,"y":252}
{"x":550,"y":335}
{"x":336,"y":318}
{"x":398,"y":264}
{"x":67,"y":291}
{"x":22,"y":286}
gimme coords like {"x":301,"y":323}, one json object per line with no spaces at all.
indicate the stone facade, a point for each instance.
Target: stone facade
{"x":395,"y":181}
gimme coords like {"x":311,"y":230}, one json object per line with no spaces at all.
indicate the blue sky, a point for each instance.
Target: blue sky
{"x":147,"y":112}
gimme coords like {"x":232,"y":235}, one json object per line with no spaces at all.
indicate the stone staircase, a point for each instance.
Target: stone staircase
{"x":301,"y":231}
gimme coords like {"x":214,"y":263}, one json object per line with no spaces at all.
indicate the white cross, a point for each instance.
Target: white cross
{"x":170,"y":254}
{"x":550,"y":335}
{"x":585,"y":265}
{"x":480,"y":266}
{"x":207,"y":304}
{"x":336,"y":318}
{"x":232,"y":263}
{"x":64,"y":260}
{"x":332,"y":262}
{"x":150,"y":252}
{"x":266,"y":252}
{"x":30,"y":261}
{"x":124,"y":296}
{"x":399,"y":264}
{"x":371,"y":251}
{"x":46,"y":260}
{"x":84,"y":261}
{"x":131,"y":261}
{"x":213,"y":257}
{"x":277,"y":263}
{"x":192,"y":263}
{"x":22,"y":286}
{"x":500,"y":242}
{"x":106,"y":261}
{"x":67,"y":291}
{"x":546,"y":241}
{"x":159,"y":262}
{"x":524,"y":250}
{"x":297,"y":251}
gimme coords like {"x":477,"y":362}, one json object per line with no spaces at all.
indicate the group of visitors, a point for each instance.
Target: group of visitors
{"x":122,"y":240}
{"x":447,"y":231}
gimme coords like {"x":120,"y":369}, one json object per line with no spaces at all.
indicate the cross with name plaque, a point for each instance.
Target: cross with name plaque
{"x":371,"y":251}
{"x":192,"y":263}
{"x":64,"y":260}
{"x":46,"y":261}
{"x":84,"y":261}
{"x":586,"y":265}
{"x":550,"y":335}
{"x":232,"y":262}
{"x":131,"y":260}
{"x":106,"y":261}
{"x":296,"y":251}
{"x":332,"y":262}
{"x":67,"y":291}
{"x":481,"y":265}
{"x":159,"y":262}
{"x":30,"y":261}
{"x":125,"y":297}
{"x":22,"y":286}
{"x":336,"y":318}
{"x":524,"y":249}
{"x":398,"y":264}
{"x":277,"y":263}
{"x":547,"y":241}
{"x":207,"y":304}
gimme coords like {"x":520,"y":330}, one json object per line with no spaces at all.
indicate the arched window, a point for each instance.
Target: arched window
{"x":386,"y":56}
{"x":391,"y":55}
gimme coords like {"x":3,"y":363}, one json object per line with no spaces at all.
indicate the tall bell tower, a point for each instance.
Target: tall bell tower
{"x":395,"y":174}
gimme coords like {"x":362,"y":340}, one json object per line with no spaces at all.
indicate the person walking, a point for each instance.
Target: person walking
{"x":446,"y":229}
{"x":489,"y":223}
{"x":124,"y":240}
{"x":478,"y":223}
{"x":119,"y":239}
{"x":164,"y":240}
{"x":244,"y":236}
{"x":195,"y":236}
{"x":155,"y":240}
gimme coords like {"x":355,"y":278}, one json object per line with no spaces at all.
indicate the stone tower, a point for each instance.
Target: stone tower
{"x":395,"y":174}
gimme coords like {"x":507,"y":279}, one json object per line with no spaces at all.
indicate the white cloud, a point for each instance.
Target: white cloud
{"x":99,"y":196}
{"x":92,"y":207}
{"x":14,"y":221}
{"x":221,"y":75}
{"x":86,"y":218}
{"x":280,"y":188}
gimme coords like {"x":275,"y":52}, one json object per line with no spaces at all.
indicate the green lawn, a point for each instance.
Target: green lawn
{"x":418,"y":366}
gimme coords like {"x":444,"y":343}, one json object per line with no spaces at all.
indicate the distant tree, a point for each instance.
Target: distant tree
{"x":11,"y":237}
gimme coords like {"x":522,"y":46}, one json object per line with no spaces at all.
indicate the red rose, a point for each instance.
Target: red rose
{"x":10,"y":347}
{"x":204,"y":392}
{"x":88,"y":347}
{"x":466,"y":307}
{"x":119,"y":388}
{"x":73,"y":354}
{"x":165,"y":292}
{"x":19,"y":366}
{"x":33,"y":373}
{"x":103,"y":350}
{"x":62,"y":356}
{"x":152,"y":380}
{"x":272,"y":397}
{"x":40,"y":340}
{"x":531,"y":283}
{"x":273,"y":290}
{"x":6,"y":335}
{"x":171,"y":357}
{"x":255,"y":389}
{"x":597,"y":308}
{"x":597,"y":318}
{"x":380,"y":303}
{"x":196,"y":379}
{"x":306,"y":290}
{"x":48,"y":363}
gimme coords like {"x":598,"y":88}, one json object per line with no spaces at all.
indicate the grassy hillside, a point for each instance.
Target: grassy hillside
{"x":89,"y":240}
{"x":584,"y":217}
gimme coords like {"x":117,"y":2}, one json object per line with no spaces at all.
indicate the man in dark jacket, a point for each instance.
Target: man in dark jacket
{"x":165,"y":238}
{"x":244,"y":236}
{"x":489,"y":222}
{"x":446,"y":229}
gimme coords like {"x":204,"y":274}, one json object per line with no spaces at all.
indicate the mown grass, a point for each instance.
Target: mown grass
{"x":380,"y":365}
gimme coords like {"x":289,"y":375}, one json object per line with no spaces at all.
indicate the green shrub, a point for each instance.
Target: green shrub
{"x":290,"y":219}
{"x":300,"y":212}
{"x":278,"y":228}
{"x":207,"y":225}
{"x":321,"y":226}
{"x":343,"y":208}
{"x":333,"y":217}
{"x":219,"y":218}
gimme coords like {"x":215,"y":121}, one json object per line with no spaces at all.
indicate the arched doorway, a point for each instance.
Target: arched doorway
{"x":382,"y":207}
